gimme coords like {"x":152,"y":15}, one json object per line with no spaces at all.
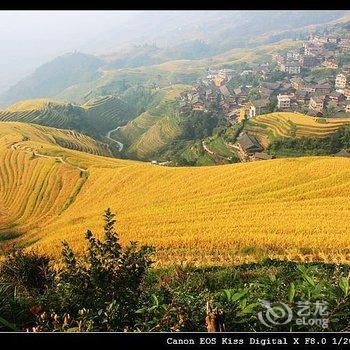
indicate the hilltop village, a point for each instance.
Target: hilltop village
{"x":313,"y":79}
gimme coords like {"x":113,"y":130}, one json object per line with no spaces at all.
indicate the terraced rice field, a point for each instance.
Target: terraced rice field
{"x":105,"y":113}
{"x":165,"y":130}
{"x":282,"y":208}
{"x":37,"y":183}
{"x":47,"y":186}
{"x":97,"y":116}
{"x":136,"y":127}
{"x":292,"y":124}
{"x":40,"y":136}
{"x":41,"y":111}
{"x":154,"y":128}
{"x":100,"y":115}
{"x":83,"y":143}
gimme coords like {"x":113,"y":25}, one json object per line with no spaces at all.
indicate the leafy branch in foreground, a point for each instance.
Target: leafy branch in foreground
{"x":104,"y":283}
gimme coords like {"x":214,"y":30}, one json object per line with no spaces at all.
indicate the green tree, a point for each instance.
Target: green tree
{"x":105,"y":283}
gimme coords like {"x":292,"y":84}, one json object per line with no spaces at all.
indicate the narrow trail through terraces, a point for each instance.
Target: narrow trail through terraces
{"x":212,"y":153}
{"x":16,"y":146}
{"x":48,"y":192}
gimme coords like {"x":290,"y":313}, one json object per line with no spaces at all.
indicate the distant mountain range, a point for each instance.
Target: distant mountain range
{"x":151,"y":38}
{"x":51,"y":78}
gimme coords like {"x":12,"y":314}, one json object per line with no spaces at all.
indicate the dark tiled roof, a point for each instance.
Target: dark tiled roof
{"x":272,"y":86}
{"x":249,"y":142}
{"x":342,"y":153}
{"x":335,"y":94}
{"x":265,"y":91}
{"x":301,"y":93}
{"x":224,"y":90}
{"x":262,"y":156}
{"x":323,"y":86}
{"x":260,"y":103}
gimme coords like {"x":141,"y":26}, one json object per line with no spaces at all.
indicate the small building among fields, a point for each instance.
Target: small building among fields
{"x":283,"y":101}
{"x":347,"y":107}
{"x":248,"y":144}
{"x":260,"y":106}
{"x":261,"y":156}
{"x":342,"y":153}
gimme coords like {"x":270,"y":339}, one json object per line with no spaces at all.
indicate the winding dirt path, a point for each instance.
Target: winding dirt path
{"x":212,"y":153}
{"x":108,"y":136}
{"x":29,"y":150}
{"x":207,"y":149}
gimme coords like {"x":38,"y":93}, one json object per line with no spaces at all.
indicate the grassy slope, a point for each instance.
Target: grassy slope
{"x":207,"y":215}
{"x":112,"y":80}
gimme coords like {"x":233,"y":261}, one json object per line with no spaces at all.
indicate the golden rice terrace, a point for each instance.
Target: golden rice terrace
{"x":281,"y":124}
{"x":283,"y":208}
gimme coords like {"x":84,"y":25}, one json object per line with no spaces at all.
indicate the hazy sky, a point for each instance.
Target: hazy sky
{"x":30,"y":38}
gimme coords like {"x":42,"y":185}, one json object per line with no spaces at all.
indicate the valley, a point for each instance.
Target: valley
{"x":190,"y":112}
{"x":142,"y":137}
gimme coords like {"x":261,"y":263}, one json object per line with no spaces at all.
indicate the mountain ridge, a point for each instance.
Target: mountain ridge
{"x":248,"y":30}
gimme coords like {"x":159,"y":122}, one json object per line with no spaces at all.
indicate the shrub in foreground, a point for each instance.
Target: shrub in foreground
{"x":103,"y":286}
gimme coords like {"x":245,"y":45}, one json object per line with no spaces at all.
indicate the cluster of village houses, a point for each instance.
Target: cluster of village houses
{"x":295,"y":92}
